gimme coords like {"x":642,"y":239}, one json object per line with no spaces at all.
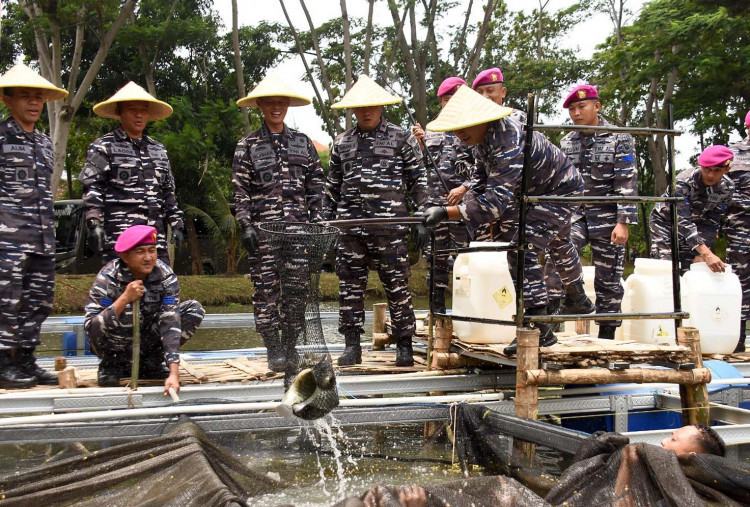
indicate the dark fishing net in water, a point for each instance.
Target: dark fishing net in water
{"x":300,"y":249}
{"x":606,"y":470}
{"x":182,"y":468}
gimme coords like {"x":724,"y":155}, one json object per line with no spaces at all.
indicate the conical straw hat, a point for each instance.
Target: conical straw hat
{"x":465,"y":109}
{"x":364,"y":93}
{"x":273,"y":85}
{"x":20,"y":76}
{"x":157,"y":109}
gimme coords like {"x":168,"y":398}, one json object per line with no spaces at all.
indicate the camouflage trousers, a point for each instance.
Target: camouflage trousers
{"x":661,"y":246}
{"x":27,"y":289}
{"x":609,"y":264}
{"x":191,"y":316}
{"x":389,"y":256}
{"x":738,"y":255}
{"x":447,"y":236}
{"x":270,"y":299}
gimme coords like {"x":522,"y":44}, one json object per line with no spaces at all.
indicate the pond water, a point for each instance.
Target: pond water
{"x":321,"y":466}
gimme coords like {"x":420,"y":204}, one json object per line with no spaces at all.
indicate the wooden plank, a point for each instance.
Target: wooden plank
{"x":192,"y":370}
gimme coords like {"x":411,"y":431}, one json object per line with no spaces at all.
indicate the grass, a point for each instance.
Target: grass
{"x":71,"y":291}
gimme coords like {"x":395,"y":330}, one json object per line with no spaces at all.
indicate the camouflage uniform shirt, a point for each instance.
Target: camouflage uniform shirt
{"x":160,"y":301}
{"x":501,"y":157}
{"x":606,"y":162}
{"x":26,"y":204}
{"x":277,"y":177}
{"x":454,"y":162}
{"x":369,"y":173}
{"x":129,"y":182}
{"x":738,"y":215}
{"x":700,"y":212}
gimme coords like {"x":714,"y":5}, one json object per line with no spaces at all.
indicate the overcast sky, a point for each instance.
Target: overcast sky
{"x":584,"y":39}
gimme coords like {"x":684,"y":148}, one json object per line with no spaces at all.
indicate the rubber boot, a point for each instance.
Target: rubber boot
{"x":26,"y":362}
{"x":607,"y":332}
{"x":576,"y":302}
{"x":11,"y":376}
{"x":404,"y":352}
{"x":112,"y":368}
{"x":552,"y":307}
{"x":743,"y":332}
{"x":546,"y":336}
{"x":275,"y":351}
{"x":353,"y":351}
{"x":438,"y":300}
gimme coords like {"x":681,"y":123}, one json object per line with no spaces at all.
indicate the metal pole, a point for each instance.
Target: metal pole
{"x":135,"y":367}
{"x":431,"y":328}
{"x":674,"y":237}
{"x":522,"y":203}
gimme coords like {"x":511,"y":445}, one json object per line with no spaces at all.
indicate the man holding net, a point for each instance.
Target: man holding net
{"x":166,"y":323}
{"x":276,"y":176}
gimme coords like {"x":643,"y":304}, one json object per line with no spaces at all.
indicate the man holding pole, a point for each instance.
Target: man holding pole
{"x":166,"y":323}
{"x":376,"y":171}
{"x":499,"y":143}
{"x":454,"y":164}
{"x":27,"y":232}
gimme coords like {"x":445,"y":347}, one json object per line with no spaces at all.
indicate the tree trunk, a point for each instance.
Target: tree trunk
{"x":50,"y":60}
{"x":473,"y":62}
{"x":196,"y":262}
{"x":332,"y":125}
{"x":368,"y":38}
{"x":461,"y":42}
{"x":347,"y":57}
{"x":238,"y":67}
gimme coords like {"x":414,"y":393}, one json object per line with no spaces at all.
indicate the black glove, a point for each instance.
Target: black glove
{"x":420,"y":235}
{"x":178,"y":237}
{"x":96,"y":236}
{"x":434,"y":215}
{"x":250,"y":239}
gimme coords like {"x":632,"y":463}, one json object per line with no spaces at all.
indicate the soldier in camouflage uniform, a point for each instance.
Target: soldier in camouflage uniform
{"x":127,"y":178}
{"x":27,"y":234}
{"x":499,"y":150}
{"x":737,"y":226}
{"x":166,"y":322}
{"x":490,"y":84}
{"x":277,"y":176}
{"x":456,"y":172}
{"x":606,"y":162}
{"x":376,"y":171}
{"x":707,"y":191}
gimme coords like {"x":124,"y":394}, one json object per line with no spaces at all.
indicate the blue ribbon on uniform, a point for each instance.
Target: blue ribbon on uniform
{"x":106,"y":302}
{"x":169,"y":300}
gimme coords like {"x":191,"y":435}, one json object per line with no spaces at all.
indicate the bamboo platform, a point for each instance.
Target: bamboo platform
{"x":245,"y":369}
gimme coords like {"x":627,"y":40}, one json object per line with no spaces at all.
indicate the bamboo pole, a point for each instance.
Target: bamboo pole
{"x":378,"y":326}
{"x":695,"y":400}
{"x":135,"y":367}
{"x":527,"y":395}
{"x":537,"y":377}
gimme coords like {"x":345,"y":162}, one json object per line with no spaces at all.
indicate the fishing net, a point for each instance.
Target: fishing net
{"x":309,"y":378}
{"x":181,"y":468}
{"x":606,"y":470}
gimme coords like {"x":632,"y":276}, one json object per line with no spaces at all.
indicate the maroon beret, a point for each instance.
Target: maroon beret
{"x":488,"y":76}
{"x":715,"y":156}
{"x":134,"y":236}
{"x":579,"y":93}
{"x":450,"y":85}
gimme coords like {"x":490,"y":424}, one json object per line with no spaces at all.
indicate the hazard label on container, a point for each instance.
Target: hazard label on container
{"x":503,"y":297}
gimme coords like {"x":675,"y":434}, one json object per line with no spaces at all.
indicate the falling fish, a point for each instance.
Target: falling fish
{"x":312,"y":394}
